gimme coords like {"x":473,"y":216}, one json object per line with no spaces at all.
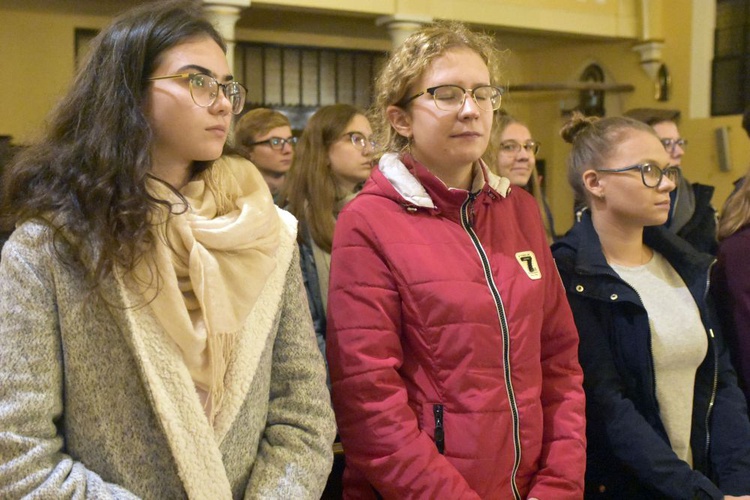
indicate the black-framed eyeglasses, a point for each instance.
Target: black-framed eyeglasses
{"x":360,"y":141}
{"x":204,"y":89}
{"x":651,"y":174}
{"x":669,"y":144}
{"x":276,"y":142}
{"x":452,"y":97}
{"x":513,"y":147}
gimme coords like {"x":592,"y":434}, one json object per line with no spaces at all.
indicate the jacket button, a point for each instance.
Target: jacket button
{"x":579,"y":288}
{"x":613,"y":296}
{"x":602,"y":488}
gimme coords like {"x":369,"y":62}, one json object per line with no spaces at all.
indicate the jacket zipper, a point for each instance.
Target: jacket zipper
{"x":466,"y":224}
{"x":712,"y":339}
{"x":437,"y":410}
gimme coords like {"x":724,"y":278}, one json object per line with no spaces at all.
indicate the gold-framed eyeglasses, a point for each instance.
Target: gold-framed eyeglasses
{"x":277,"y":142}
{"x":452,"y":97}
{"x":651,"y":174}
{"x":360,"y":141}
{"x":511,"y":147}
{"x":670,"y":144}
{"x":204,"y":89}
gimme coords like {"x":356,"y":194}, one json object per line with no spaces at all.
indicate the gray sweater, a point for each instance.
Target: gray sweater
{"x":96,"y":402}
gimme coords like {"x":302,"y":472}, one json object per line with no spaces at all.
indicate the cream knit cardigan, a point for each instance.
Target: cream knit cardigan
{"x":95,"y":401}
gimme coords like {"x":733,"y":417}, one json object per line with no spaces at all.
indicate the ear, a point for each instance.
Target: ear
{"x":400,"y":120}
{"x":592,"y":184}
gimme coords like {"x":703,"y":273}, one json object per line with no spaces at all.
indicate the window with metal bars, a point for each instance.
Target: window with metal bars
{"x":730,"y":79}
{"x":286,"y":77}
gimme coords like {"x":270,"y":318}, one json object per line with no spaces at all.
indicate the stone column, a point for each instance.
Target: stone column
{"x":224,"y":14}
{"x":400,"y":26}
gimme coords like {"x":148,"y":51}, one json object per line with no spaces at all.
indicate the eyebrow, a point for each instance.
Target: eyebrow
{"x":205,"y":71}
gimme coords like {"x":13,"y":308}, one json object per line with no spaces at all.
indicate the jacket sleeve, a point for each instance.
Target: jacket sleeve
{"x":561,"y":472}
{"x":295,"y":454}
{"x":634,"y":443}
{"x":32,"y":458}
{"x":729,"y":444}
{"x":379,"y":430}
{"x":730,"y":287}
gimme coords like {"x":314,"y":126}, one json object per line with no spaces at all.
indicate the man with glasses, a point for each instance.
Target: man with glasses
{"x":691,"y":215}
{"x":264,"y":136}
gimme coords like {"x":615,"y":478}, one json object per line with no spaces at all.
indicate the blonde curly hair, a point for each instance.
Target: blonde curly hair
{"x":408,"y":63}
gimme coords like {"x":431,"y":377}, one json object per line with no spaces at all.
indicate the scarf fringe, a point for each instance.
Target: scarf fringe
{"x":220,"y":348}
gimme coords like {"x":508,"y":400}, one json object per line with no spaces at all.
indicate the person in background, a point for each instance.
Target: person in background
{"x":154,"y":338}
{"x":333,"y":160}
{"x":451,"y":347}
{"x":664,"y":415}
{"x":264,"y":136}
{"x":692,"y":217}
{"x":512,"y":154}
{"x":731,"y":278}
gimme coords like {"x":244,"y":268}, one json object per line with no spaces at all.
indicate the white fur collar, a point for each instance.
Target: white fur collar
{"x":409,"y":187}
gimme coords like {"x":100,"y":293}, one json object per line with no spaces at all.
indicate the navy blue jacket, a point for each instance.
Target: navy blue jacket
{"x":629,"y":455}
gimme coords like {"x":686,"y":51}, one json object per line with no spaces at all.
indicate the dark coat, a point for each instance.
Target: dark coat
{"x":628,"y":454}
{"x":731,"y":290}
{"x":700,"y":229}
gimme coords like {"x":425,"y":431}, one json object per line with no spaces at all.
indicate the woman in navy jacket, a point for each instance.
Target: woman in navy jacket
{"x":620,"y":168}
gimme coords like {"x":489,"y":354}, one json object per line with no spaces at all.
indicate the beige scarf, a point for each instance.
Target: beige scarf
{"x":212,"y":262}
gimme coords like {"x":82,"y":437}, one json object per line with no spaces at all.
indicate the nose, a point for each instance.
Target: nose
{"x":221,"y":104}
{"x":666,"y":184}
{"x":469,"y":108}
{"x":523,"y":153}
{"x":286,"y":147}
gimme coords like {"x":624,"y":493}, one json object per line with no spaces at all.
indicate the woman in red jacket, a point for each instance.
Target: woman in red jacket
{"x":452,"y":349}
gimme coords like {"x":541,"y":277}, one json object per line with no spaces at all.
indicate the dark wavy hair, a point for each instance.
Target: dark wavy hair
{"x":87,"y":175}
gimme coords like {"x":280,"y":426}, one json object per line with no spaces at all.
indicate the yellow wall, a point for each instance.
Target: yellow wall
{"x":37,"y":59}
{"x":542,"y":111}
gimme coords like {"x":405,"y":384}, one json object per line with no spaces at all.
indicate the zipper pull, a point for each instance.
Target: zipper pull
{"x":437,"y":410}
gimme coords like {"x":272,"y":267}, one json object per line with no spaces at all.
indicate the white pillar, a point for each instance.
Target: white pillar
{"x":224,"y":15}
{"x":400,"y":26}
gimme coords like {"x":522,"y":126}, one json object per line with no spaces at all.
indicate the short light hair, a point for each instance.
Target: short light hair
{"x":652,"y":116}
{"x":408,"y":63}
{"x":255,"y":123}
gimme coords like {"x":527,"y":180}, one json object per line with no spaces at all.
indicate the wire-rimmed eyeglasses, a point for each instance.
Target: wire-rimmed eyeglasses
{"x":204,"y":89}
{"x":276,"y":142}
{"x":360,"y":141}
{"x":513,"y":147}
{"x":651,"y":174}
{"x":670,"y":144}
{"x":452,"y":97}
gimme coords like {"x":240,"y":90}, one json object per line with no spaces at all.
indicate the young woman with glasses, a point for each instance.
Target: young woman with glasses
{"x":334,"y":159}
{"x":451,"y":348}
{"x":264,"y":136}
{"x":665,"y":418}
{"x":512,"y":153}
{"x":154,"y":339}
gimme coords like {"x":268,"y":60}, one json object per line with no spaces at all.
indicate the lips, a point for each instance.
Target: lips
{"x":218,"y":128}
{"x":467,"y":134}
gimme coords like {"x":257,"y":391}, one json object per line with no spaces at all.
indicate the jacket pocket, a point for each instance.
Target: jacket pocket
{"x":437,"y":412}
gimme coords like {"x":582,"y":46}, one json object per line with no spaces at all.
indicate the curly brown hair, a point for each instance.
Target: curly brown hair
{"x":410,"y":60}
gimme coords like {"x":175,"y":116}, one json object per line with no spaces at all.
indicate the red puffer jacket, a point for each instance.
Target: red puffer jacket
{"x":452,"y":348}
